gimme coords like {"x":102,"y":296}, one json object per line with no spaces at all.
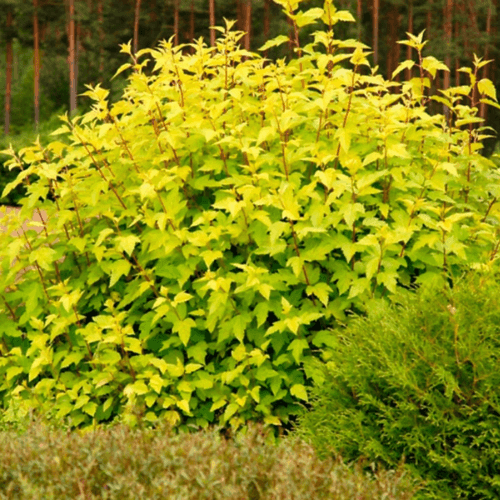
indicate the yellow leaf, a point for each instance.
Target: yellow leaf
{"x":184,"y":406}
{"x":299,"y":391}
{"x":127,"y":243}
{"x":265,"y":134}
{"x":218,"y":404}
{"x":147,"y":190}
{"x":156,"y":383}
{"x":182,"y":297}
{"x":404,"y":65}
{"x":486,"y":87}
{"x":272,"y":420}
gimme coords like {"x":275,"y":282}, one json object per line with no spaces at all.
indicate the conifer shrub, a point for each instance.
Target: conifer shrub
{"x":204,"y":233}
{"x":417,"y":381}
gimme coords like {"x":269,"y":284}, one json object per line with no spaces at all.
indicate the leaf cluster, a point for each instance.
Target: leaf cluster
{"x":201,"y":236}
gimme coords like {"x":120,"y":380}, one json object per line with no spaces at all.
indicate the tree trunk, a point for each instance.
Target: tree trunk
{"x":100,"y":17}
{"x":476,"y":34}
{"x":72,"y":59}
{"x":136,"y":25}
{"x":211,"y":13}
{"x":36,"y":61}
{"x":376,"y":9}
{"x":191,"y":24}
{"x":240,"y":23}
{"x":267,"y":21}
{"x":8,"y":74}
{"x":359,"y":13}
{"x":394,"y":47}
{"x":458,"y":28}
{"x":248,"y":23}
{"x":409,"y":72}
{"x":428,"y":20}
{"x":176,"y":22}
{"x":78,"y":49}
{"x":447,"y":34}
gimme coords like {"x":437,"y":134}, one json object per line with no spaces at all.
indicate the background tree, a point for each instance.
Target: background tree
{"x":8,"y":72}
{"x":41,"y":31}
{"x":376,"y":15}
{"x":211,"y":5}
{"x":248,"y":23}
{"x":409,"y":72}
{"x":136,"y":24}
{"x":36,"y":63}
{"x":73,"y":81}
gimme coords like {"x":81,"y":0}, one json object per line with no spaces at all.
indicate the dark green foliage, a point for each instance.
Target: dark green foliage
{"x":53,"y":465}
{"x":419,"y":381}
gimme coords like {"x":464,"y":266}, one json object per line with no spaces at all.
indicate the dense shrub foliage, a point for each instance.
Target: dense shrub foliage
{"x":418,"y":381}
{"x":27,"y":135}
{"x":54,"y":465}
{"x":204,"y":232}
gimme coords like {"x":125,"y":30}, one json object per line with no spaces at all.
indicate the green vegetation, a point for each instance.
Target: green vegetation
{"x":418,"y":380}
{"x":207,"y":235}
{"x":205,"y":232}
{"x":26,"y":135}
{"x":54,"y":465}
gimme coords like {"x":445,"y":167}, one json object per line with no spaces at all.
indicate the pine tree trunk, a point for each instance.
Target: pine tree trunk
{"x":211,"y":13}
{"x":36,"y":61}
{"x":428,"y":20}
{"x":191,"y":24}
{"x":376,"y":9}
{"x":394,"y":47}
{"x":176,"y":22}
{"x":458,"y":28}
{"x":78,"y":49}
{"x":248,"y":23}
{"x":409,"y":72}
{"x":359,"y":13}
{"x":476,"y":34}
{"x":136,"y":25}
{"x":72,"y":58}
{"x":240,"y":24}
{"x":267,"y":21}
{"x":8,"y":74}
{"x":100,"y":17}
{"x":447,"y":34}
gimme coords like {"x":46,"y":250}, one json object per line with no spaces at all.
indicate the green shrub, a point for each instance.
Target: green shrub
{"x":418,"y":380}
{"x":54,"y":465}
{"x":26,"y":135}
{"x":205,"y":231}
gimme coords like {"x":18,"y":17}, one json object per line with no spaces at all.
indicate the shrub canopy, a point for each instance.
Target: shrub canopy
{"x":203,"y":233}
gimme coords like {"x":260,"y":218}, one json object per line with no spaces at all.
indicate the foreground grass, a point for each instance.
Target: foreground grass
{"x":121,"y":463}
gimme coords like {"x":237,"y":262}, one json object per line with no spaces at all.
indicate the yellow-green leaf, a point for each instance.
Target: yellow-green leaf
{"x":127,"y":243}
{"x":299,"y":391}
{"x":486,"y":87}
